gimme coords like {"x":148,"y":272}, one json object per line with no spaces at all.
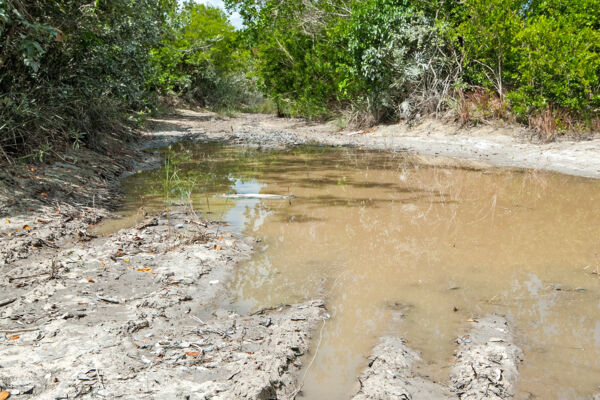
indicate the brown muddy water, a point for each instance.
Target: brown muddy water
{"x":374,"y":232}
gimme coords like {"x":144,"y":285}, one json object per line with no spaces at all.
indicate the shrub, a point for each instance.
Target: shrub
{"x":71,"y":70}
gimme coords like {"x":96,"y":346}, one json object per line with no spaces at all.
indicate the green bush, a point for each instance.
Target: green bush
{"x":71,"y":70}
{"x":542,"y":54}
{"x":400,"y":59}
{"x":202,"y":59}
{"x":558,"y":65}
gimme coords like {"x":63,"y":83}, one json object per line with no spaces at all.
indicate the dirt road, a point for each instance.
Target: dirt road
{"x":132,"y":314}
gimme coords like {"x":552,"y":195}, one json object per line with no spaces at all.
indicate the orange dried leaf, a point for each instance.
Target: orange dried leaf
{"x":44,"y":195}
{"x":217,"y":247}
{"x":144,"y":269}
{"x":192,"y":353}
{"x":4,"y":395}
{"x":14,"y":338}
{"x":26,"y":227}
{"x":91,"y":280}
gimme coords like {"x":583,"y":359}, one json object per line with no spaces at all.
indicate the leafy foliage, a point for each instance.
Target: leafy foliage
{"x":400,"y":58}
{"x":73,"y":72}
{"x":69,"y":69}
{"x":396,"y":58}
{"x":76,"y":73}
{"x":202,"y":59}
{"x":544,"y":55}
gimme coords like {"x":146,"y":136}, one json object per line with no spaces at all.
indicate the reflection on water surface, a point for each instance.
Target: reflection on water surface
{"x":376,"y":231}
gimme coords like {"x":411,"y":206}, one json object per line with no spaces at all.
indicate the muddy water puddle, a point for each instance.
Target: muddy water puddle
{"x":380,"y":235}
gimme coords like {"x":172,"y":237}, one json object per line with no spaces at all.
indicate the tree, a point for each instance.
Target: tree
{"x":487,"y":33}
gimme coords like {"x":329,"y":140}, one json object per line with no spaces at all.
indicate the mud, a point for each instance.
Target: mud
{"x":131,"y":314}
{"x":391,"y":375}
{"x":487,"y":361}
{"x":123,"y":317}
{"x":486,"y":367}
{"x":500,"y":145}
{"x":134,"y":314}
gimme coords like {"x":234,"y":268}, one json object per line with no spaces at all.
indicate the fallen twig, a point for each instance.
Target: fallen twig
{"x":107,"y":299}
{"x":263,"y":310}
{"x":10,"y":279}
{"x":7,"y":301}
{"x":20,"y":330}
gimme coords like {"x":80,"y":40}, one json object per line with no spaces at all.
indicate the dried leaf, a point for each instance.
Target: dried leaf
{"x":4,"y":395}
{"x":26,"y":227}
{"x":44,"y":195}
{"x":91,"y":281}
{"x":144,"y":269}
{"x":217,"y":247}
{"x":9,"y":234}
{"x":192,"y":353}
{"x":14,"y":338}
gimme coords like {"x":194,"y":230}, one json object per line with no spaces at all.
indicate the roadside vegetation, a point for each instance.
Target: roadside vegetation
{"x":76,"y":73}
{"x":85,"y":73}
{"x":535,"y":62}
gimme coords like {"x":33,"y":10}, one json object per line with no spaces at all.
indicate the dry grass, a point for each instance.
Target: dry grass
{"x":480,"y":106}
{"x":484,"y":107}
{"x":552,"y":123}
